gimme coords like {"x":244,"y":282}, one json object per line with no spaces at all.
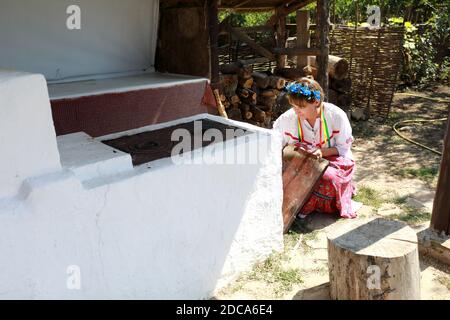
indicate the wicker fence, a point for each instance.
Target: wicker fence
{"x":375,"y":57}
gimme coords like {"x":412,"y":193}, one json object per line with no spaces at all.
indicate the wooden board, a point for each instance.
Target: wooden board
{"x":301,"y":172}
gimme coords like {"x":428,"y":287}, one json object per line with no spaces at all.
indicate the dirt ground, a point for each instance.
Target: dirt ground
{"x":395,"y":180}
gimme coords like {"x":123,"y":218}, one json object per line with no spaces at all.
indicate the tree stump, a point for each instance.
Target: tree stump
{"x":373,"y":260}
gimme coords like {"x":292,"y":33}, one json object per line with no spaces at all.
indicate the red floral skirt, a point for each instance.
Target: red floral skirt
{"x":333,"y":193}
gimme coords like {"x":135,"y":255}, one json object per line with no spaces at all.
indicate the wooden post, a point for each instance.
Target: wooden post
{"x":440,"y":219}
{"x":303,"y":39}
{"x":213,"y":20}
{"x":323,"y":28}
{"x":281,"y":39}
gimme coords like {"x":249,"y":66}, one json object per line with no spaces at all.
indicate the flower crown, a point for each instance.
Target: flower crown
{"x":301,"y":90}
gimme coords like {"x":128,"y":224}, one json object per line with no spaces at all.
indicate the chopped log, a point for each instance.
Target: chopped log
{"x":379,"y":256}
{"x":337,"y":67}
{"x":235,"y":114}
{"x":234,"y":99}
{"x":282,"y":105}
{"x":261,"y":79}
{"x":270,"y":93}
{"x":231,"y":68}
{"x":255,"y":89}
{"x":344,"y":85}
{"x":246,"y":83}
{"x":258,"y":114}
{"x":255,"y":123}
{"x":266,"y":103}
{"x":243,"y":93}
{"x":247,"y":115}
{"x":244,"y":107}
{"x":228,"y":83}
{"x":220,"y":106}
{"x":290,"y":73}
{"x":277,"y":82}
{"x":245,"y":72}
{"x":310,"y":71}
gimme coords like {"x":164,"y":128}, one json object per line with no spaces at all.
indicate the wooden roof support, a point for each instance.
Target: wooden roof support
{"x":303,"y":37}
{"x":249,"y":41}
{"x":281,"y":39}
{"x":213,"y":14}
{"x":440,"y":218}
{"x":323,"y":29}
{"x":288,"y":7}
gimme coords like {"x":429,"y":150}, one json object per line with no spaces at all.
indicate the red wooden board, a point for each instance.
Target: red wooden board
{"x":300,"y":175}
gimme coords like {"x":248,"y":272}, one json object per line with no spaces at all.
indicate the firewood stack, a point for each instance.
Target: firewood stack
{"x":257,"y":97}
{"x":250,"y":96}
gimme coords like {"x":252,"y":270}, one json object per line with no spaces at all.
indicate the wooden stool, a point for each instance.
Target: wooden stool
{"x":373,"y":259}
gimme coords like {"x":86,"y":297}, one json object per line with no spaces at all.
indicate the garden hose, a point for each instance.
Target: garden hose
{"x":420,"y":120}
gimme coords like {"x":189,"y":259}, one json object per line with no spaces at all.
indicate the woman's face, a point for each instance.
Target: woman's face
{"x":306,"y":111}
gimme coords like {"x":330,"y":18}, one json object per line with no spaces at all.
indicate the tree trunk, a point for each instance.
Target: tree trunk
{"x":440,"y":219}
{"x":373,"y":259}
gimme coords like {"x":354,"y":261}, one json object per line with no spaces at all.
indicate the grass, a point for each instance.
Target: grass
{"x":412,"y":216}
{"x":427,"y":174}
{"x":369,"y":197}
{"x":272,"y":272}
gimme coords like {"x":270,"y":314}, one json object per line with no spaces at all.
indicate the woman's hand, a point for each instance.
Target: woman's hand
{"x":318,"y":153}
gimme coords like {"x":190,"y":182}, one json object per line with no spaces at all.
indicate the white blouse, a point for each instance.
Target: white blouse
{"x":339,"y":129}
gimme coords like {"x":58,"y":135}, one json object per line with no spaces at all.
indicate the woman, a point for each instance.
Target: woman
{"x":324,"y":130}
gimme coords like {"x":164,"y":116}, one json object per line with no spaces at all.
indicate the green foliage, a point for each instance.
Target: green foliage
{"x":424,"y":50}
{"x":247,"y":19}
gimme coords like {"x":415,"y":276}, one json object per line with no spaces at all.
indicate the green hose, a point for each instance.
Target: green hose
{"x":420,"y":120}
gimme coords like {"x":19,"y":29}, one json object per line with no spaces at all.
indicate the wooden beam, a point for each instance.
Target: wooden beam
{"x":303,"y":38}
{"x":299,"y":51}
{"x":213,"y":21}
{"x":250,"y":42}
{"x":241,"y":4}
{"x":440,"y":218}
{"x":287,"y":8}
{"x":323,"y":28}
{"x":281,"y":40}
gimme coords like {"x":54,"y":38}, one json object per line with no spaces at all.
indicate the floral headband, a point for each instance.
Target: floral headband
{"x":301,"y":90}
